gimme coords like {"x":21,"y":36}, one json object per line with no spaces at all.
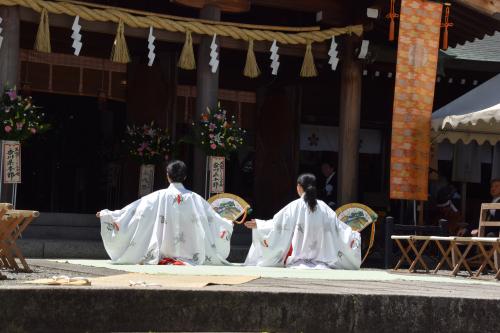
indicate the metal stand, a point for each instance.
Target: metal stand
{"x":207,"y":175}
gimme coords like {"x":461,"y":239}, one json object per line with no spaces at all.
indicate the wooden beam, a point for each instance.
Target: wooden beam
{"x":487,"y":7}
{"x":63,"y":21}
{"x":333,"y":11}
{"x":309,"y":6}
{"x":230,"y":6}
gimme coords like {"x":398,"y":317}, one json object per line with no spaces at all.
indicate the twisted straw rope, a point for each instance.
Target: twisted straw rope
{"x":113,"y":14}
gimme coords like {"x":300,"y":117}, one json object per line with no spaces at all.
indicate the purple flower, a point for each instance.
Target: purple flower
{"x":12,"y":94}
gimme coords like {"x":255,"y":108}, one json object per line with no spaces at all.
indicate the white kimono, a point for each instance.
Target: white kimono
{"x":171,"y":223}
{"x":318,"y":239}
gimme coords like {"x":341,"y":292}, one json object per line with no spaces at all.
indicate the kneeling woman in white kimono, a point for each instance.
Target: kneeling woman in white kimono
{"x":171,"y":226}
{"x":304,"y":234}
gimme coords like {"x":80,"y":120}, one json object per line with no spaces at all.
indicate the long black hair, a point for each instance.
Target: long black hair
{"x":308,"y":183}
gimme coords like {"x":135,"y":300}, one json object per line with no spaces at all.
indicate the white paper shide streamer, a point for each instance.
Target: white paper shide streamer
{"x":364,"y":49}
{"x":214,"y":62}
{"x":334,"y":60}
{"x":76,"y":36}
{"x":275,"y":64}
{"x":151,"y":47}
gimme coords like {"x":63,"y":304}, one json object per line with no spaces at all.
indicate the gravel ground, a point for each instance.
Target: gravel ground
{"x":43,"y":269}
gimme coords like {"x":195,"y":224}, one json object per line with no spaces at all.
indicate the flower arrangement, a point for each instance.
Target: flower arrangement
{"x":20,"y":119}
{"x":216,"y":134}
{"x":149,"y":144}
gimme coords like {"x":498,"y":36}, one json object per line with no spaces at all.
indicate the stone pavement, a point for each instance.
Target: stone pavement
{"x":281,"y":300}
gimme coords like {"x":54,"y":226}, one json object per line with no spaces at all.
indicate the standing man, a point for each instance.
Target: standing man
{"x":328,"y":192}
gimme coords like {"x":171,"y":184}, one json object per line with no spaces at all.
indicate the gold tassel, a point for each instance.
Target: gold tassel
{"x":251,"y":67}
{"x":308,"y":66}
{"x":186,"y":60}
{"x":42,"y":42}
{"x":119,"y":52}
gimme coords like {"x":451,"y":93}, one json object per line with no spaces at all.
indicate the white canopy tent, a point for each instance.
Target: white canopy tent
{"x":474,"y":116}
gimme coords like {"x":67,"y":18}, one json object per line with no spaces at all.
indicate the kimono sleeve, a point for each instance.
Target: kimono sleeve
{"x":221,"y":229}
{"x":348,"y":242}
{"x":115,"y":229}
{"x":271,"y":240}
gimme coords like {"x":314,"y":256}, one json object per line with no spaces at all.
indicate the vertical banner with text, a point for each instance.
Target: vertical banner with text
{"x":418,"y":47}
{"x":217,"y":166}
{"x":11,"y":162}
{"x":146,"y":179}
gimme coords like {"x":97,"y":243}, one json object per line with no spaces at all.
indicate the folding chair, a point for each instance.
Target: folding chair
{"x":4,"y":207}
{"x":413,"y":243}
{"x":485,"y":222}
{"x":13,"y":223}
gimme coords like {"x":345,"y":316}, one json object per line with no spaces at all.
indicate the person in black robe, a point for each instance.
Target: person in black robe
{"x":328,"y":189}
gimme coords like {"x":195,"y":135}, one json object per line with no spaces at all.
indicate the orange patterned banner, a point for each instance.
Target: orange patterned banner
{"x":418,"y":46}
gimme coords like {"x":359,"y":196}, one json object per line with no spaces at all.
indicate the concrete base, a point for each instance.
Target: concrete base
{"x":291,"y":301}
{"x":140,"y":310}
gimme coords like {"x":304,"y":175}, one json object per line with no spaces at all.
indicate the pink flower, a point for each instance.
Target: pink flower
{"x":142,"y":147}
{"x":7,"y":129}
{"x":212,"y":126}
{"x":211,"y":136}
{"x":213,"y":146}
{"x":33,"y":130}
{"x":19,"y":126}
{"x":12,"y":94}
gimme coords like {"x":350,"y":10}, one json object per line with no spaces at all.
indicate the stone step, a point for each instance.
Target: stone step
{"x":86,"y":249}
{"x":86,"y":227}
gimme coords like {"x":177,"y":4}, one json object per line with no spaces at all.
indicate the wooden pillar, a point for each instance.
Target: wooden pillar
{"x":9,"y":52}
{"x":350,"y":113}
{"x":9,"y":63}
{"x":207,"y":90}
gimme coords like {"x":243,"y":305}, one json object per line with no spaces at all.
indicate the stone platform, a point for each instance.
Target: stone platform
{"x":285,"y":300}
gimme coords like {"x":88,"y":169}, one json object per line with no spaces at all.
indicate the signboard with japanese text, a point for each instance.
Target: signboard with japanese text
{"x":217,"y":167}
{"x":146,"y":179}
{"x":11,"y":162}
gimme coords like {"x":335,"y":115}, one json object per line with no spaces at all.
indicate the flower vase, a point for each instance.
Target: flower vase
{"x":146,"y":179}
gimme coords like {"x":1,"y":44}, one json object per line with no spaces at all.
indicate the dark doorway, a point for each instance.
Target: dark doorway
{"x":65,"y":169}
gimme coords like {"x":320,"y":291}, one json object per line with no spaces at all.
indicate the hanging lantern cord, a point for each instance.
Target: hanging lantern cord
{"x":392,"y":15}
{"x":446,"y":25}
